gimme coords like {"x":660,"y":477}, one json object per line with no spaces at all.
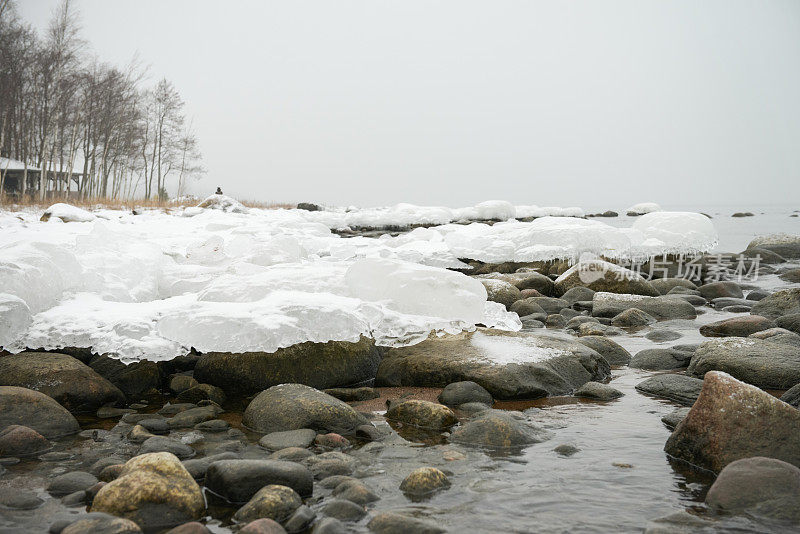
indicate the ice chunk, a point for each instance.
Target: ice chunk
{"x":674,"y":232}
{"x":15,"y":317}
{"x":67,"y":213}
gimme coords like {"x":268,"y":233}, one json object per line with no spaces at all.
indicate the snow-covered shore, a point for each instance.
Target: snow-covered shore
{"x":225,"y":278}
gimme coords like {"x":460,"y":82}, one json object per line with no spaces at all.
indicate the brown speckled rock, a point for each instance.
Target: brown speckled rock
{"x":422,"y":414}
{"x":732,"y":420}
{"x":424,"y":481}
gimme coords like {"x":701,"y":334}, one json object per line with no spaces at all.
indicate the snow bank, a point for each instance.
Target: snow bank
{"x":642,"y":208}
{"x":223,"y":203}
{"x":154,"y":285}
{"x":67,"y":213}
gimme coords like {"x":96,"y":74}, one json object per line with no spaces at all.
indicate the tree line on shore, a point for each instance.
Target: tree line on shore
{"x":87,"y":128}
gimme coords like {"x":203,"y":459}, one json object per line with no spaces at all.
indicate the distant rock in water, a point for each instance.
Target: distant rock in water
{"x":742,"y":214}
{"x":308,"y":206}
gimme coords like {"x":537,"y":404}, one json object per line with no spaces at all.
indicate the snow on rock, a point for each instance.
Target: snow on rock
{"x":642,"y":208}
{"x":67,"y":213}
{"x":674,"y":232}
{"x":223,"y":203}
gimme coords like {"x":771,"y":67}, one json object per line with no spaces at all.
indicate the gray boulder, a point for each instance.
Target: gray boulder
{"x":613,"y":352}
{"x":737,"y":326}
{"x":661,"y":359}
{"x":665,"y":285}
{"x":632,"y":318}
{"x":784,"y":302}
{"x":462,"y":392}
{"x":665,"y":307}
{"x":577,"y":294}
{"x":295,"y":406}
{"x":524,"y":280}
{"x":763,"y":363}
{"x":508,"y":365}
{"x":790,"y":322}
{"x":715,"y":290}
{"x":74,"y":385}
{"x":319,"y":365}
{"x":21,"y":406}
{"x":239,"y":480}
{"x":678,"y":388}
{"x":498,"y":429}
{"x":132,"y":379}
{"x":275,"y":441}
{"x":598,"y":391}
{"x":785,"y":245}
{"x":599,"y":275}
{"x":792,"y":396}
{"x":758,"y":486}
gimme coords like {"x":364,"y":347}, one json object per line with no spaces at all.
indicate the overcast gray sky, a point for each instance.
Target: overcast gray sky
{"x":452,"y":102}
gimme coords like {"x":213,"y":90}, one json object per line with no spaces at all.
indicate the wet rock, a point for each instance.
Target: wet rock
{"x":291,"y":454}
{"x":662,"y":308}
{"x":612,"y":351}
{"x":74,"y":385}
{"x":263,"y":526}
{"x":792,"y":275}
{"x":170,"y":409}
{"x":678,"y":388}
{"x":294,"y":406}
{"x":674,"y":417}
{"x":525,"y":307}
{"x":508,"y":365}
{"x":392,"y":523}
{"x":329,"y":525}
{"x":576,"y":322}
{"x":97,"y":523}
{"x":500,"y":291}
{"x":193,"y":527}
{"x":787,"y":246}
{"x":238,"y":480}
{"x":721,"y":289}
{"x":736,"y":326}
{"x":273,"y":502}
{"x":596,"y":390}
{"x":723,"y":303}
{"x":202,"y":392}
{"x":110,"y":472}
{"x":153,"y":490}
{"x":424,"y":481}
{"x":599,"y":275}
{"x":694,"y":300}
{"x":133,"y":379}
{"x":330,"y":464}
{"x":758,"y":486}
{"x":679,"y":523}
{"x":792,"y":396}
{"x":566,"y":450}
{"x":180,"y":383}
{"x":189,"y":418}
{"x":763,"y":363}
{"x":790,"y":322}
{"x":354,"y":491}
{"x":320,"y":365}
{"x":344,"y":510}
{"x":353,"y":394}
{"x":155,"y":425}
{"x":732,"y":420}
{"x":19,"y":499}
{"x":330,"y":441}
{"x":598,"y":329}
{"x":497,"y":429}
{"x":300,"y":519}
{"x":276,"y":441}
{"x":527,"y":293}
{"x":18,"y":440}
{"x":784,"y":302}
{"x":555,"y":320}
{"x":213,"y":426}
{"x":757,"y":294}
{"x":550,"y":305}
{"x":662,"y":335}
{"x":198,"y":467}
{"x":77,"y":498}
{"x":70,"y":483}
{"x":139,"y":434}
{"x":577,"y":294}
{"x":463,"y":392}
{"x":21,"y":406}
{"x":665,"y":285}
{"x":165,"y":444}
{"x":632,"y":318}
{"x":662,"y":359}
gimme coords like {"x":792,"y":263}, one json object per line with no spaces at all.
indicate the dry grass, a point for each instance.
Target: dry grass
{"x":16,"y":203}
